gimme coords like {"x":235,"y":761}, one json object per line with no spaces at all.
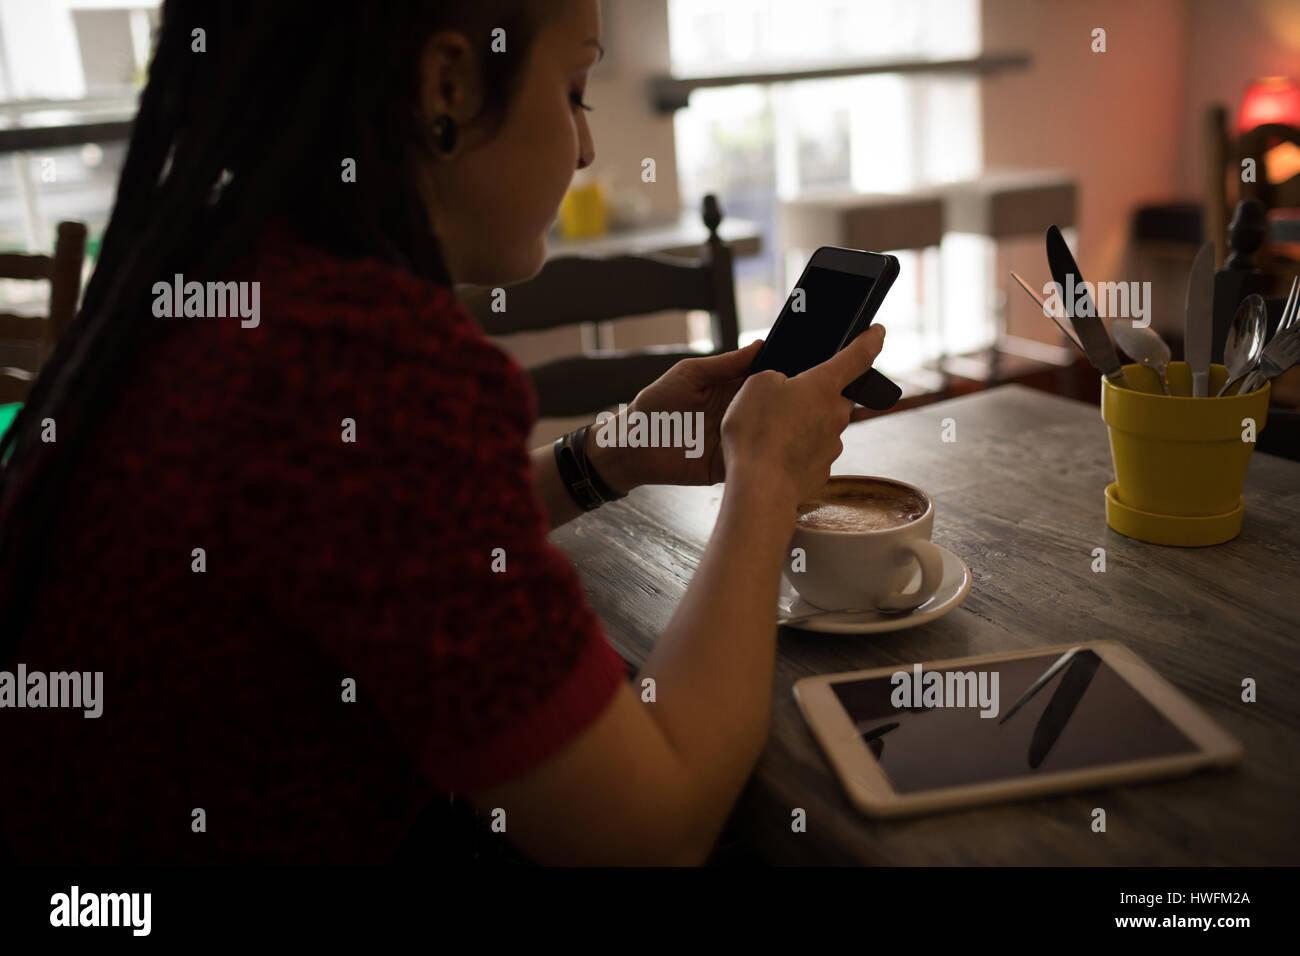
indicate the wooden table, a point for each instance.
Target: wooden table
{"x":1019,"y":496}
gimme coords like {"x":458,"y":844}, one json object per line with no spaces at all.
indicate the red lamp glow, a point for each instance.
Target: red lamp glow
{"x":1273,"y":99}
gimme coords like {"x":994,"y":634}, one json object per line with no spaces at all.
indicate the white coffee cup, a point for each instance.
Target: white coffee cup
{"x":834,"y":569}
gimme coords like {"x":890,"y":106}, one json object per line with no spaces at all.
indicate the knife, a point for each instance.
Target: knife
{"x":1092,"y":333}
{"x":1198,"y":322}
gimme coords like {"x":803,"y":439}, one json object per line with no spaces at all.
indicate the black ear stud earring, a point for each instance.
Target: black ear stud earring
{"x":443,"y":133}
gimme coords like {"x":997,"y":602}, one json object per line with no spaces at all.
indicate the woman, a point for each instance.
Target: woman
{"x":276,"y":536}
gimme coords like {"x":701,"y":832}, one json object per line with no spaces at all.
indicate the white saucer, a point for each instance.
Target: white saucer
{"x":952,"y":591}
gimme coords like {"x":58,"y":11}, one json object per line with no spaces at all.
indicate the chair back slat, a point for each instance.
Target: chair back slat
{"x":578,"y":385}
{"x":23,"y":328}
{"x":574,"y":290}
{"x":13,"y":387}
{"x":17,"y":265}
{"x":577,"y":290}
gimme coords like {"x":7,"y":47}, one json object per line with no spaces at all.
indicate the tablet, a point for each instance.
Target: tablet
{"x":946,"y":734}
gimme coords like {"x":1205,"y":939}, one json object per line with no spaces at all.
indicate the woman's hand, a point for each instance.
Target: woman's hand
{"x":784,"y":433}
{"x":705,"y":385}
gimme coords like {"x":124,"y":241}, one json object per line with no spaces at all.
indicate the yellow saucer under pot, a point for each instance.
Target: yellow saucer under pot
{"x":1180,"y":462}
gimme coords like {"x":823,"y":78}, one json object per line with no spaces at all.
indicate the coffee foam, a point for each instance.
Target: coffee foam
{"x":861,"y":506}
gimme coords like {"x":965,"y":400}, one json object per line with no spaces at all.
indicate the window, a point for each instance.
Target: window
{"x":64,"y":62}
{"x":756,"y":145}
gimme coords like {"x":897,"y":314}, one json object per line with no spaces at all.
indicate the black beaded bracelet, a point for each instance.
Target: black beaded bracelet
{"x":580,"y":449}
{"x":585,"y":486}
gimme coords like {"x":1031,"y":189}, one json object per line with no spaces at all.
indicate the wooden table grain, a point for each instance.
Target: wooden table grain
{"x":1019,"y":496}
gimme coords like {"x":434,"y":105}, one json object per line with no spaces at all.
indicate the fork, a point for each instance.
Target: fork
{"x":1279,"y":355}
{"x":1292,"y":306}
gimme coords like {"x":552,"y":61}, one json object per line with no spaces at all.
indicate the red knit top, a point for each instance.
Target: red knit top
{"x":354,"y":470}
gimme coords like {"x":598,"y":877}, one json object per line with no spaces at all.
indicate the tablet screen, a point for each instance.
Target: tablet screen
{"x":926,"y":730}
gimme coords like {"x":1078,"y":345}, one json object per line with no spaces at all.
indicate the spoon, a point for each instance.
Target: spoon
{"x":805,"y":618}
{"x":1245,"y":342}
{"x":1282,"y":345}
{"x":1143,"y":345}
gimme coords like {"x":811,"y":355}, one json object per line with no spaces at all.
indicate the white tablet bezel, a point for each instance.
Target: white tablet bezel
{"x":871,"y":791}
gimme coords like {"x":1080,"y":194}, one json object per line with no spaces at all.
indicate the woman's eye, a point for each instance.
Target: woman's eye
{"x":576,"y":99}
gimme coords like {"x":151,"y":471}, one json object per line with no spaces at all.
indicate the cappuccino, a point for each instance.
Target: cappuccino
{"x":858,"y":505}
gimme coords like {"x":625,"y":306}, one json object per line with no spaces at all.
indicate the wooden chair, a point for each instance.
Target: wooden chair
{"x":1237,"y":279}
{"x":1239,"y":276}
{"x":1258,"y":261}
{"x":63,"y":271}
{"x":1274,"y":195}
{"x":575,"y":290}
{"x":1223,"y":185}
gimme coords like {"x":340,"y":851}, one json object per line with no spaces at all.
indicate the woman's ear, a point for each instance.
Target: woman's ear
{"x":449,"y":78}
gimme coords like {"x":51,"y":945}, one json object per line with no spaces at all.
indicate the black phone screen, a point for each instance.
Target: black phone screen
{"x":800,"y":340}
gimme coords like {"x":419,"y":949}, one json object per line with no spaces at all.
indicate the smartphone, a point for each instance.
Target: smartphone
{"x":834,"y":301}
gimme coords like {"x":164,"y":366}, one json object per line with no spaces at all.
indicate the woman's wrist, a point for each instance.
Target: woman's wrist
{"x":616,"y":465}
{"x":763,"y":491}
{"x":756,"y":519}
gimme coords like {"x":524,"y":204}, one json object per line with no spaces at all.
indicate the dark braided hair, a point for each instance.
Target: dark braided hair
{"x":256,"y":125}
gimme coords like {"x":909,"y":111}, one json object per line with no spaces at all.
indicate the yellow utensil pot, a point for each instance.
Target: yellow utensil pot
{"x":583,"y":212}
{"x":1180,"y":462}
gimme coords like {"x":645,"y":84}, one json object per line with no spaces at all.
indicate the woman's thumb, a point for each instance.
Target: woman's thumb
{"x":729,"y":364}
